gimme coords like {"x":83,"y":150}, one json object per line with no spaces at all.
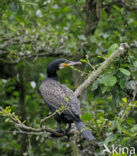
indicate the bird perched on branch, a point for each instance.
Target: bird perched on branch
{"x":61,"y":100}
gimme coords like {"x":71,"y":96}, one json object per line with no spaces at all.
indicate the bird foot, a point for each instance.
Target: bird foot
{"x":66,"y":133}
{"x":60,"y":131}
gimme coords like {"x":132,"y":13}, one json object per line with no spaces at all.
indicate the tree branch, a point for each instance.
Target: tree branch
{"x":38,"y":53}
{"x":37,"y":49}
{"x":21,"y":126}
{"x":120,"y":51}
{"x":117,"y":53}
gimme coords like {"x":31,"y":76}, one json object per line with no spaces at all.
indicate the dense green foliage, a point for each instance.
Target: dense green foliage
{"x":32,"y":33}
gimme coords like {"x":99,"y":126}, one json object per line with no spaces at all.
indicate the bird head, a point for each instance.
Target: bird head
{"x":57,"y":64}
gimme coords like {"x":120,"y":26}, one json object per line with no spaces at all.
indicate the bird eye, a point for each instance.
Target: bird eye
{"x":67,"y":61}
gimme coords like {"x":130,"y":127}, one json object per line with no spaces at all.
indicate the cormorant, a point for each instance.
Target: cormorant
{"x":56,"y":95}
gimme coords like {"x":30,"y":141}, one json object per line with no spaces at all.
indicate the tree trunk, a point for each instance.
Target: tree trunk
{"x":23,"y":139}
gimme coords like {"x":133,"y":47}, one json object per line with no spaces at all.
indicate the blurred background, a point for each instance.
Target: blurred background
{"x":35,"y":32}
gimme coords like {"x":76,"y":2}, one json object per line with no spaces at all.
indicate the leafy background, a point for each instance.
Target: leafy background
{"x":35,"y":32}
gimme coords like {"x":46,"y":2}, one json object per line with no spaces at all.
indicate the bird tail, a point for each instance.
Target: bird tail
{"x":85,"y":133}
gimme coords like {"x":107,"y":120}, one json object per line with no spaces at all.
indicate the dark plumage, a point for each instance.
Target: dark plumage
{"x":55,"y":95}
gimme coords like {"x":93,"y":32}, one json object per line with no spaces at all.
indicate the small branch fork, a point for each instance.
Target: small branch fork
{"x":59,"y":111}
{"x":30,"y":130}
{"x":22,"y":127}
{"x":123,"y":48}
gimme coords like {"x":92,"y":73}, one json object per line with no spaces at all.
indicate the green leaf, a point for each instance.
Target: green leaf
{"x":125,"y":71}
{"x":116,"y":7}
{"x":95,"y":85}
{"x":110,"y":138}
{"x":83,"y":60}
{"x":112,"y":48}
{"x":93,"y":39}
{"x":119,"y":126}
{"x":130,"y":121}
{"x":124,"y":100}
{"x":66,"y":99}
{"x":125,"y":140}
{"x":135,"y":64}
{"x":86,"y":117}
{"x":122,"y":83}
{"x":133,"y":129}
{"x":82,"y":37}
{"x":108,"y":80}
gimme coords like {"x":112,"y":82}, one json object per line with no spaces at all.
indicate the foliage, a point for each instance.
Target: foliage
{"x":35,"y":28}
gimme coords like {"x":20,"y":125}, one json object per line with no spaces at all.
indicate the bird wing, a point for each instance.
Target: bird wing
{"x":55,"y":95}
{"x":74,"y":102}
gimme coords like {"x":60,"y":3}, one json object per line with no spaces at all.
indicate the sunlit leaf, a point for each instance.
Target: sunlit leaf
{"x":125,"y":71}
{"x":124,"y":100}
{"x":112,"y":48}
{"x":108,"y":80}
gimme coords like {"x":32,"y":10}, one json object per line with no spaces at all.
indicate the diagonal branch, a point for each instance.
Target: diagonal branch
{"x":93,"y":76}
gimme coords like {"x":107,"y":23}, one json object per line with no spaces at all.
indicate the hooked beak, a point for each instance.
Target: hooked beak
{"x":71,"y":63}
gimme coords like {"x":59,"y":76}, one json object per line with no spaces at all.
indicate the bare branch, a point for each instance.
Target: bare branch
{"x":47,"y":117}
{"x":38,"y":130}
{"x":22,"y":132}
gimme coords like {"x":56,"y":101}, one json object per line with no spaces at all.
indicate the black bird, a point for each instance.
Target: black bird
{"x":56,"y":95}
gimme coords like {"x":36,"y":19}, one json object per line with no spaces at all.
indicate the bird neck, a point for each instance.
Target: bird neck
{"x":53,"y":76}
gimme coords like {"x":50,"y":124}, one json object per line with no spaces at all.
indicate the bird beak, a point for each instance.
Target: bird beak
{"x":63,"y":65}
{"x":73,"y":63}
